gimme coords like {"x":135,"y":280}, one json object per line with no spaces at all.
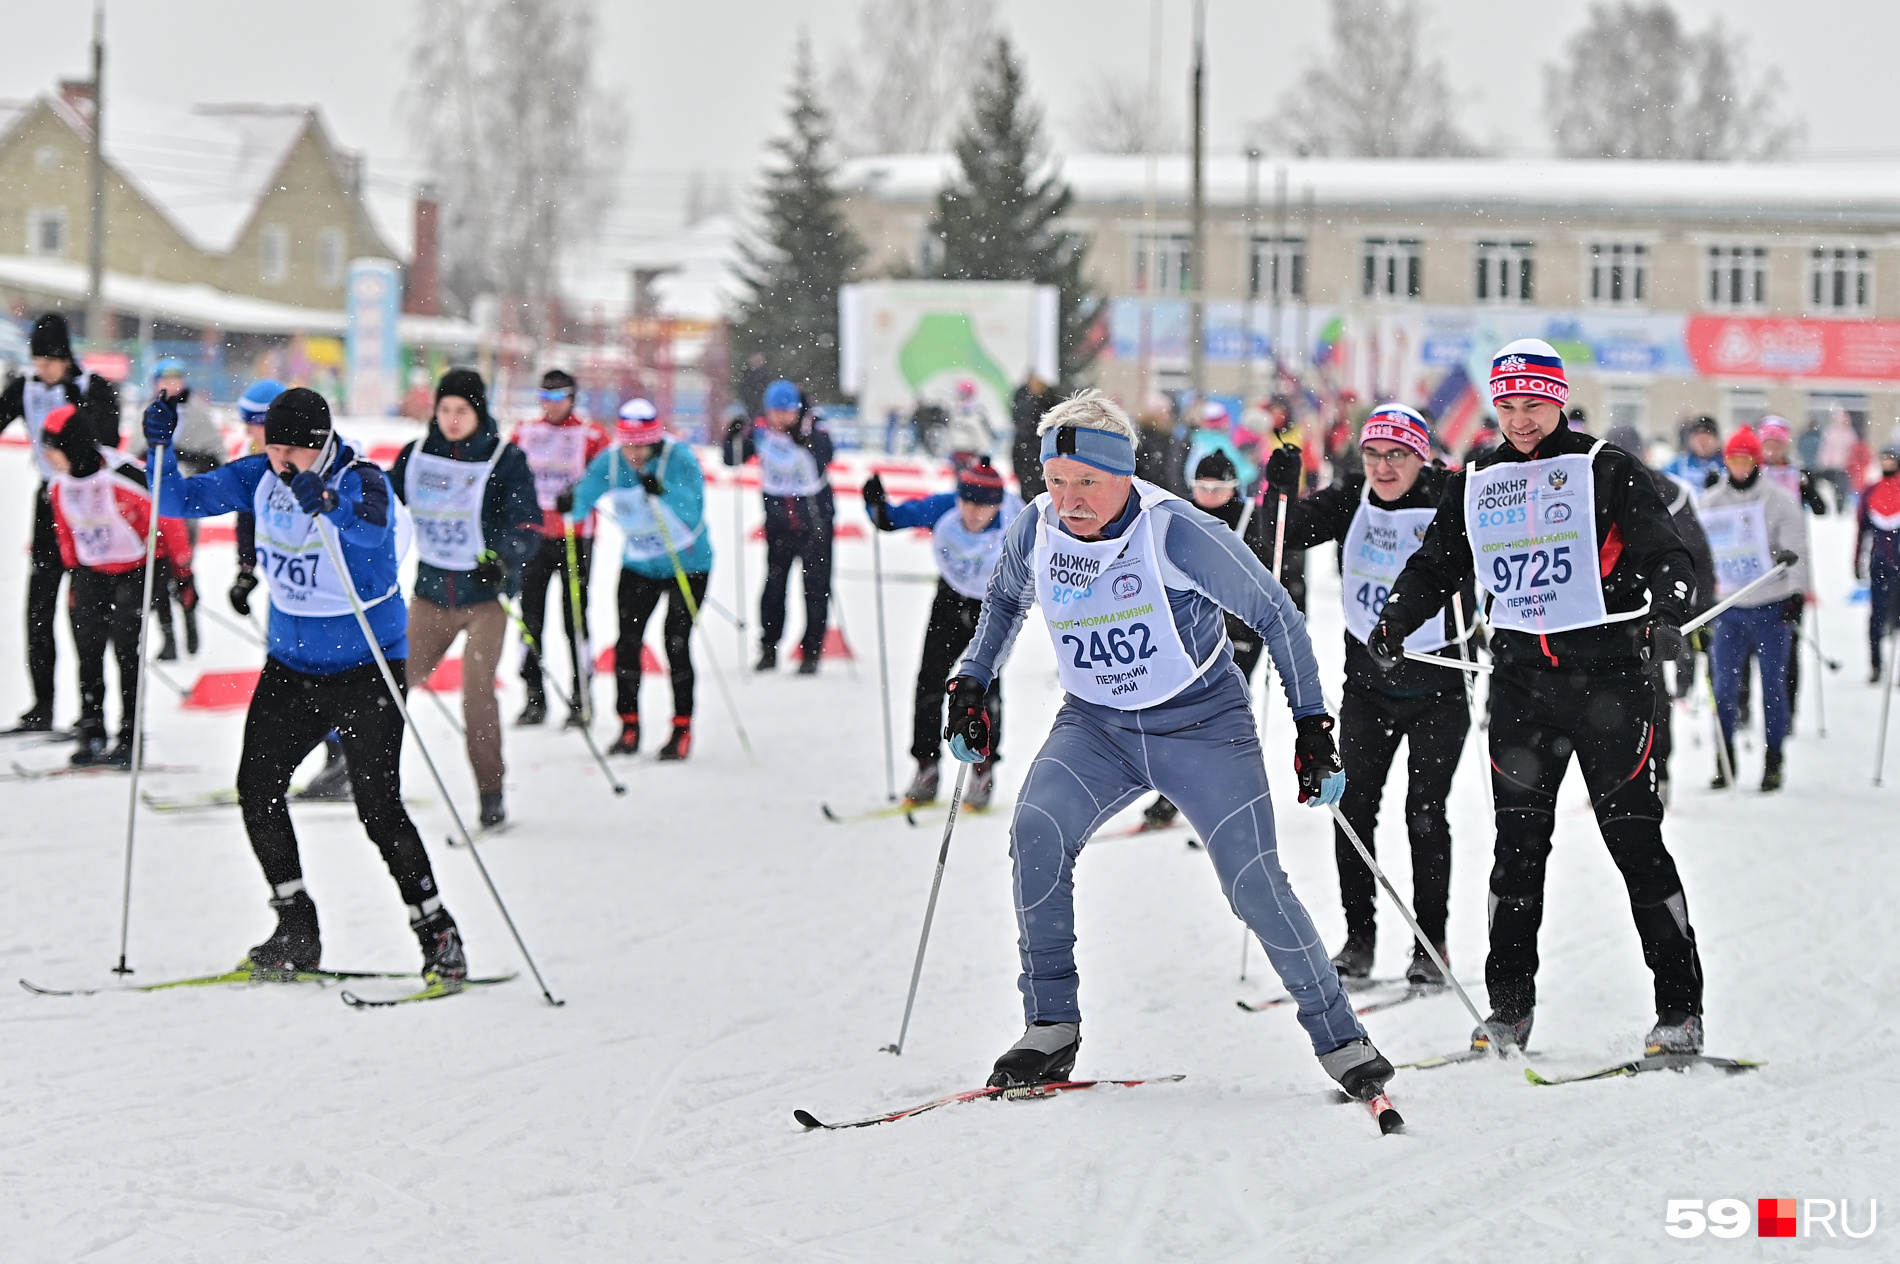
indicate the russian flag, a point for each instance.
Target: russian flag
{"x":1455,"y":406}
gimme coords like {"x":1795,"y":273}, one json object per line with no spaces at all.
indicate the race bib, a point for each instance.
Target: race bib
{"x":1532,"y":530}
{"x":558,"y":457}
{"x":445,"y":499}
{"x":785,"y":469}
{"x":1378,"y":543}
{"x":292,"y":558}
{"x":101,"y":535}
{"x":1738,"y":539}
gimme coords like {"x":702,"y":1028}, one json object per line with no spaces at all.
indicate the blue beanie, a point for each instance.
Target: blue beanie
{"x":167,"y":366}
{"x":783,"y":394}
{"x":256,"y":400}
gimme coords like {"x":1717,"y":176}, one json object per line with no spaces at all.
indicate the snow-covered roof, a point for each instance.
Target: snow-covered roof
{"x":1861,"y":191}
{"x":203,"y":306}
{"x":206,"y":166}
{"x":697,"y":263}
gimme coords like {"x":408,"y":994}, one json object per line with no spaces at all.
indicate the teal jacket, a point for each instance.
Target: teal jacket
{"x":682,"y":509}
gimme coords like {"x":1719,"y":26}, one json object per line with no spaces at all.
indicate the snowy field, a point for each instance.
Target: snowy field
{"x":727,"y":954}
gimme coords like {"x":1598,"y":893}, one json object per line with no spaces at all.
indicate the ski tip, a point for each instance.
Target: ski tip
{"x":910,"y":818}
{"x":806,"y":1120}
{"x":1390,"y":1121}
{"x":1530,"y":1074}
{"x":829,"y":814}
{"x":37,"y":990}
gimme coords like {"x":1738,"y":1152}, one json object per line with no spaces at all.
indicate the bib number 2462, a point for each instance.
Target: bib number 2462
{"x":1116,"y":647}
{"x":1538,"y":568}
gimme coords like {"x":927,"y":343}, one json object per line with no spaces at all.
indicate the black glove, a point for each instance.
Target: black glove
{"x":1316,"y":761}
{"x":1711,"y":479}
{"x":161,"y":420}
{"x":1284,"y":469}
{"x":564,"y":500}
{"x":488,"y":570}
{"x":1658,"y":641}
{"x":969,"y":726}
{"x":1786,"y":557}
{"x":1791,"y":609}
{"x":187,"y":590}
{"x":736,"y":427}
{"x":652,"y":483}
{"x":1386,"y":645}
{"x":241,"y":589}
{"x":877,"y":502}
{"x":312,"y":496}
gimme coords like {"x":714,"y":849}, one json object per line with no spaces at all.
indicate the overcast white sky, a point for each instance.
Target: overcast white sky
{"x":703,"y":80}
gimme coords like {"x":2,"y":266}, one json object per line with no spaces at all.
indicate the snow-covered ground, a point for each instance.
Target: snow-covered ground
{"x":726,"y":955}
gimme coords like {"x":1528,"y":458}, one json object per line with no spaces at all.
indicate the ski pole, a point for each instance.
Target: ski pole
{"x":1459,"y":664}
{"x":1466,"y":650}
{"x":1820,"y":672}
{"x":586,"y":730}
{"x":164,"y":678}
{"x":692,"y":610}
{"x":1279,"y":536}
{"x":1431,"y":949}
{"x":738,"y":563}
{"x":583,"y":650}
{"x":156,"y":459}
{"x":930,"y":910}
{"x":402,"y":708}
{"x":443,"y":707}
{"x":718,"y":607}
{"x":883,"y":662}
{"x":244,"y":630}
{"x":1784,"y":560}
{"x":1279,"y":553}
{"x":1886,"y":709}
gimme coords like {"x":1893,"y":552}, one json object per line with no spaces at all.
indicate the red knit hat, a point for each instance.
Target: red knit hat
{"x":1745,"y":442}
{"x":980,"y":483}
{"x":639,"y":423}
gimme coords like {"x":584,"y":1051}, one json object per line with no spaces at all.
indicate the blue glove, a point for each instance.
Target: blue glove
{"x":161,"y":421}
{"x":1316,"y":762}
{"x":313,"y":497}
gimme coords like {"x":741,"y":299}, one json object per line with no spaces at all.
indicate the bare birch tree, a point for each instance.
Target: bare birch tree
{"x":1113,"y":119}
{"x":1638,"y":84}
{"x":905,"y":87}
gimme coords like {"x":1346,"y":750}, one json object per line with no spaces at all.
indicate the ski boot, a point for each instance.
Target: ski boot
{"x":576,"y":719}
{"x":629,"y":740}
{"x":1674,"y":1033}
{"x":535,"y":712}
{"x":36,"y":719}
{"x":1424,"y":972}
{"x":1359,"y":1069}
{"x":1771,"y":772}
{"x":923,"y":786}
{"x":1502,"y":1034}
{"x":191,"y":631}
{"x":493,"y":813}
{"x":680,"y":745}
{"x":1354,"y":961}
{"x":168,"y":652}
{"x":120,"y":756}
{"x":1720,"y":780}
{"x":333,"y":783}
{"x":443,"y":960}
{"x":91,"y":733}
{"x":1044,"y":1055}
{"x":295,"y":945}
{"x":1160,"y":814}
{"x":981,"y":786}
{"x":768,"y":659}
{"x":808,"y":663}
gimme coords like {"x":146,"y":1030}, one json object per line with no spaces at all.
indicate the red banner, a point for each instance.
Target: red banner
{"x":1761,"y":346}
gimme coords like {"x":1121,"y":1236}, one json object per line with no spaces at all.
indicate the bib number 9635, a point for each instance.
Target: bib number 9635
{"x":1538,"y":568}
{"x":1117,"y":646}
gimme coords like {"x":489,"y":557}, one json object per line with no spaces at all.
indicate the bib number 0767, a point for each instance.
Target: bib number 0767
{"x":1116,"y":647}
{"x":1543,"y":568}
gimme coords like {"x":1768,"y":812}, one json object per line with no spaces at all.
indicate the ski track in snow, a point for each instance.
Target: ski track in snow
{"x":727,"y":955}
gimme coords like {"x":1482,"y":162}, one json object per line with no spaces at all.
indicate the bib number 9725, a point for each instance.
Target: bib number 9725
{"x":1117,"y":646}
{"x":1538,"y":568}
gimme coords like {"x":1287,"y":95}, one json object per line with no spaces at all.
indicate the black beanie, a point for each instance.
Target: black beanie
{"x":464,"y":384}
{"x":298,"y":418}
{"x":51,"y":338}
{"x":65,"y":433}
{"x":1216,"y":465}
{"x":557,"y":380}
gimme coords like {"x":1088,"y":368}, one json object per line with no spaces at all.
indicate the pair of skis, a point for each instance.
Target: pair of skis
{"x":1384,"y":993}
{"x":434,"y":990}
{"x":1635,"y":1066}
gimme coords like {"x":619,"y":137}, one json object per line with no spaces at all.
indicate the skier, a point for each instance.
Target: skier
{"x":969,"y":434}
{"x":559,"y":445}
{"x":657,"y":494}
{"x":55,"y":380}
{"x":1573,"y":634}
{"x":1378,"y":519}
{"x":1132,"y":583}
{"x":1701,"y":465}
{"x":1778,"y":465}
{"x":1877,"y":554}
{"x":1215,"y":434}
{"x":472,"y":496}
{"x":101,"y":512}
{"x":200,"y":448}
{"x":793,"y":450}
{"x":967,"y":528}
{"x":309,"y":491}
{"x":1751,"y":522}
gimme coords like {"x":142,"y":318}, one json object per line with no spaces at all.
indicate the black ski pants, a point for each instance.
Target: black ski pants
{"x":639,"y":596}
{"x":290,"y":714}
{"x":1371,"y":725}
{"x":549,"y":566}
{"x":105,"y":609}
{"x":42,"y":601}
{"x":1539,"y":719}
{"x":952,"y":623}
{"x":811,"y":549}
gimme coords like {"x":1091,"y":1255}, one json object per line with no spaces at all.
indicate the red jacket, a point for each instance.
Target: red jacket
{"x":549,"y":480}
{"x":134,"y":505}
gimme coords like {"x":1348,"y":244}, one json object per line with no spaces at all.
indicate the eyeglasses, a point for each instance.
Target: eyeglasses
{"x":1396,"y":456}
{"x":555,"y":397}
{"x":1212,"y":485}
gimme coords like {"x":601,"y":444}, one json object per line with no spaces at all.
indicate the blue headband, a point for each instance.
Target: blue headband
{"x":1105,"y":450}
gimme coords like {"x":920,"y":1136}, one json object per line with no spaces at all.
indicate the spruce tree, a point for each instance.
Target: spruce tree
{"x":806,"y":250}
{"x":998,"y":220}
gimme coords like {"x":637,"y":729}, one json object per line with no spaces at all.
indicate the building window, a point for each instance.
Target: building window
{"x":1393,"y":268}
{"x":1279,"y":268}
{"x":47,"y":159}
{"x":1735,"y":278}
{"x":46,"y":231}
{"x":1165,"y":257}
{"x":1745,"y":406}
{"x":273,"y":248}
{"x":330,"y":257}
{"x":1825,"y":407}
{"x":1840,"y":279}
{"x":1506,"y":272}
{"x":1618,"y":274}
{"x":1628,"y":406}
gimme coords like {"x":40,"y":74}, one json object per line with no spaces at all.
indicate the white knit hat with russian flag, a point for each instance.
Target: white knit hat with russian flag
{"x":1530,"y":366}
{"x":639,"y":423}
{"x":1395,"y":423}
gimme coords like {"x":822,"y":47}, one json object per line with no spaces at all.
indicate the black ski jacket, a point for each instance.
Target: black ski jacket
{"x":1640,"y":558}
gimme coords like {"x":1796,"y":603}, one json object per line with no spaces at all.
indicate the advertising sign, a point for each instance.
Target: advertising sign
{"x":902,"y":341}
{"x":1762,"y":346}
{"x":374,"y":298}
